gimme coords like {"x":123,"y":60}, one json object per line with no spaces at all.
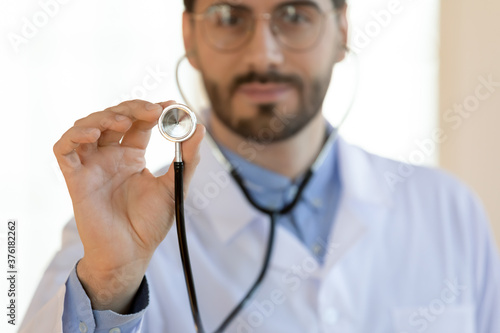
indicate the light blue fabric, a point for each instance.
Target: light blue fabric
{"x":312,"y":219}
{"x":78,"y":315}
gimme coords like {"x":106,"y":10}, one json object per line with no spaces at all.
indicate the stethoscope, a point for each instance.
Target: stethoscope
{"x":177,"y":123}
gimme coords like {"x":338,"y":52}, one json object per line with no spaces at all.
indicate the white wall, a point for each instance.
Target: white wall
{"x":396,"y":104}
{"x":89,"y":56}
{"x":93,"y":54}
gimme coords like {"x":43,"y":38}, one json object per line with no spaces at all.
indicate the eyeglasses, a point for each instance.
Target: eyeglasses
{"x":296,"y":25}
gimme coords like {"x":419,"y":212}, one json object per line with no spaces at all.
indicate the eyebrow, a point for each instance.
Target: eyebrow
{"x":287,"y":3}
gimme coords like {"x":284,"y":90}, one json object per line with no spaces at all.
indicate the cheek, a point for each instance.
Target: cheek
{"x":214,"y":65}
{"x":318,"y":62}
{"x":330,"y":44}
{"x":310,"y":66}
{"x":217,"y":69}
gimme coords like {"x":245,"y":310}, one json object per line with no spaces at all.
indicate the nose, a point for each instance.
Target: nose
{"x":263,"y":51}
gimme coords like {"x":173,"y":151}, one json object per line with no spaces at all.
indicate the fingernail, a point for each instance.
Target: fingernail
{"x":152,"y":107}
{"x":91,"y":131}
{"x":120,"y":117}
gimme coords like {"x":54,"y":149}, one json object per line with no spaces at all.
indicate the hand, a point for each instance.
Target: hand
{"x":122,"y":211}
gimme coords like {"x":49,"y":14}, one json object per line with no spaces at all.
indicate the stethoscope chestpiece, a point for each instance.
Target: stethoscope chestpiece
{"x":177,"y":123}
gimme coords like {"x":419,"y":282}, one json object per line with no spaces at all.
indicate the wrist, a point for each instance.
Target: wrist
{"x":110,"y":289}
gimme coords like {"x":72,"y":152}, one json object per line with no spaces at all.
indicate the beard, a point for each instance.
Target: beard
{"x":272,"y":122}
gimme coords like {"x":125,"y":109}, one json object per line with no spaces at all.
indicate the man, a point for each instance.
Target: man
{"x":354,"y":255}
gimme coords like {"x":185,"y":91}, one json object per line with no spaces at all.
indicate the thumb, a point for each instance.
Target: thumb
{"x":190,"y":156}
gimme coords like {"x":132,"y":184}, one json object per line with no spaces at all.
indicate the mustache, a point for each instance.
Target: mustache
{"x":268,"y":77}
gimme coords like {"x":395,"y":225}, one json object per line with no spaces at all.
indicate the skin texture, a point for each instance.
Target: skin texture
{"x":283,"y":135}
{"x":189,"y":4}
{"x":123,"y":212}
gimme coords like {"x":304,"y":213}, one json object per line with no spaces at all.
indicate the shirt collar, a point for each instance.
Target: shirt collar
{"x":215,"y":197}
{"x":273,"y":190}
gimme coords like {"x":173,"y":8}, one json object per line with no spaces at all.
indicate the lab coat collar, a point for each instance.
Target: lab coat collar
{"x":360,"y":177}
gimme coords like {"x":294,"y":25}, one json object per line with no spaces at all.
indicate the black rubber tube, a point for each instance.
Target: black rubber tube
{"x":183,"y":245}
{"x":270,"y":241}
{"x":258,"y":281}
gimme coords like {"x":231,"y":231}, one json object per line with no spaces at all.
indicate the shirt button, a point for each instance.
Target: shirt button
{"x":115,"y":330}
{"x":82,"y":327}
{"x":317,"y":248}
{"x":331,"y":316}
{"x":273,"y":204}
{"x":318,"y":203}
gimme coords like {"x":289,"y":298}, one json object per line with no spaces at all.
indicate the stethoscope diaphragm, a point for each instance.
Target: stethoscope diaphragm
{"x":177,"y":123}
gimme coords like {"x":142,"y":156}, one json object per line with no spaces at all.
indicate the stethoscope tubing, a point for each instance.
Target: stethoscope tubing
{"x":183,"y":244}
{"x":273,"y":214}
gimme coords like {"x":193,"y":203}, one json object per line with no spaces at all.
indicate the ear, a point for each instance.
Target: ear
{"x":188,"y":34}
{"x":343,"y":32}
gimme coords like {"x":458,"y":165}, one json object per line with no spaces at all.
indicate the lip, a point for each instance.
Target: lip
{"x":264,"y":92}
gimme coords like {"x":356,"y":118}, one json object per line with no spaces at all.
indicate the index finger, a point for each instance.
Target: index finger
{"x":138,"y":135}
{"x":138,"y":110}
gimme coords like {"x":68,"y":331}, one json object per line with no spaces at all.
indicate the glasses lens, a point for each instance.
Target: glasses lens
{"x":298,"y":26}
{"x":227,"y":27}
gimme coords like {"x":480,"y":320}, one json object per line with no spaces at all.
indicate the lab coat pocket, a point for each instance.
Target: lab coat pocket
{"x":436,"y":317}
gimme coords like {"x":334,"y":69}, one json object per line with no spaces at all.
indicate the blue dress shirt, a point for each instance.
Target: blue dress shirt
{"x":312,"y":219}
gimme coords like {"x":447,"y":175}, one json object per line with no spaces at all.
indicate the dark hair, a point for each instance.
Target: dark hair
{"x":189,"y":4}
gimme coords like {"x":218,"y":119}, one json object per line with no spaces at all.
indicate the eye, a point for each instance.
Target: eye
{"x":294,"y":15}
{"x":226,"y":16}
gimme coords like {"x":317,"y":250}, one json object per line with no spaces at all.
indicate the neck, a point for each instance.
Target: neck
{"x":291,"y":157}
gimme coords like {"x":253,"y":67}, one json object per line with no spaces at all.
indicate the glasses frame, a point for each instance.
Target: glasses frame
{"x":266,"y":16}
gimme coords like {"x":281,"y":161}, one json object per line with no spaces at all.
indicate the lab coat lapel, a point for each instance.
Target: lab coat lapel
{"x":365,"y":201}
{"x":229,"y":212}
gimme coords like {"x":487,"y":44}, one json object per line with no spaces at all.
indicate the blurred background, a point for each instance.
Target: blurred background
{"x":428,"y":94}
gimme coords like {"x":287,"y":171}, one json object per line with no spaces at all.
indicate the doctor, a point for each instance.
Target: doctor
{"x":356,"y":254}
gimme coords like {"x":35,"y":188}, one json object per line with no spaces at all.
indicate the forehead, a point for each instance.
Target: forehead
{"x":258,"y":5}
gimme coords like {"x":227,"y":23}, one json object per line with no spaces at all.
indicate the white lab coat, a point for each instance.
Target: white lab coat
{"x":410,"y":251}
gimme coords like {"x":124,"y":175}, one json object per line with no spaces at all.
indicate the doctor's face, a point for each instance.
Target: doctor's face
{"x":266,"y":64}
